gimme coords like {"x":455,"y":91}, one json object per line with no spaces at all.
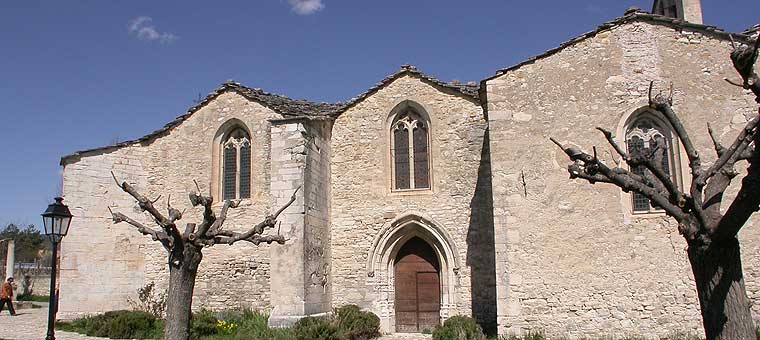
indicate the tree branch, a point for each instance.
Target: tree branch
{"x":746,"y":203}
{"x":147,"y":205}
{"x":217,"y":225}
{"x":196,"y":198}
{"x":587,"y":166}
{"x":255,"y":239}
{"x":611,"y":140}
{"x":253,"y":234}
{"x":645,"y":160}
{"x":156,"y":235}
{"x":730,"y":156}
{"x":744,"y":58}
{"x":719,"y":148}
{"x":662,"y":105}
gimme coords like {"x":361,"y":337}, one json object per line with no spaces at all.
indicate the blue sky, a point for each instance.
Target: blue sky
{"x":82,"y":74}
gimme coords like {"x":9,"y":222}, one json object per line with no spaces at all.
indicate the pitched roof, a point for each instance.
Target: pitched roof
{"x":470,"y":91}
{"x":631,"y":15}
{"x":287,"y":107}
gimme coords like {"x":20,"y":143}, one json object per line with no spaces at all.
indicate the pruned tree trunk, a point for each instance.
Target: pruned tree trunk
{"x":180,"y":300}
{"x":184,"y":249}
{"x":723,"y":299}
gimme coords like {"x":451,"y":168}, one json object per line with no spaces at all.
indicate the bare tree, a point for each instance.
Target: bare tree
{"x":185,"y":248}
{"x":713,"y":247}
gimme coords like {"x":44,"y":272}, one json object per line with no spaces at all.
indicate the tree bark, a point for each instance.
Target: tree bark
{"x":183,"y":269}
{"x":723,"y":299}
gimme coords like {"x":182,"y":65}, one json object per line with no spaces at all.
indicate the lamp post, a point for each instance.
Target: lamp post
{"x":56,"y":219}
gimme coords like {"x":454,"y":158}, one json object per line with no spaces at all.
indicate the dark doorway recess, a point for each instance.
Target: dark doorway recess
{"x":418,"y":287}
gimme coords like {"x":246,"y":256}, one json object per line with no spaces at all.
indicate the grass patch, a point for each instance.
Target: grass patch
{"x":35,"y":298}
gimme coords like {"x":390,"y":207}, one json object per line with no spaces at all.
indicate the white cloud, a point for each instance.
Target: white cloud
{"x":306,"y":7}
{"x":143,"y":28}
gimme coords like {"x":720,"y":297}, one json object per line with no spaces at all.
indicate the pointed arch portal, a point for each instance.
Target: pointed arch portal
{"x":410,"y":257}
{"x":418,"y":287}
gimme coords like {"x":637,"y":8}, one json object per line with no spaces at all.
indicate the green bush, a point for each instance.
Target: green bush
{"x":120,"y":324}
{"x":459,"y":328}
{"x":347,"y":323}
{"x":355,"y":324}
{"x":254,"y":326}
{"x":315,"y":328}
{"x":202,"y":324}
{"x":35,"y":298}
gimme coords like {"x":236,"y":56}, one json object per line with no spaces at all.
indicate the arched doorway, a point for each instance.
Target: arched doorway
{"x":418,"y":287}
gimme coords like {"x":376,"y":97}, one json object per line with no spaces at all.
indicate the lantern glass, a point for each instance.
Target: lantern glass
{"x":48,"y":221}
{"x":56,"y":219}
{"x":65,"y":222}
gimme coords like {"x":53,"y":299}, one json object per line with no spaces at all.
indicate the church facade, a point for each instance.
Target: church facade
{"x":422,"y":199}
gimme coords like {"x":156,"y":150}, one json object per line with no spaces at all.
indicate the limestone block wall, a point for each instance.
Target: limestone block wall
{"x":317,"y":214}
{"x":288,"y":168}
{"x":571,"y":258}
{"x":110,"y":262}
{"x":363,"y":206}
{"x":101,"y":264}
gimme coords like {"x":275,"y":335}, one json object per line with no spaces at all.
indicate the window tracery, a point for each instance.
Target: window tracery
{"x":236,"y":165}
{"x":410,"y":152}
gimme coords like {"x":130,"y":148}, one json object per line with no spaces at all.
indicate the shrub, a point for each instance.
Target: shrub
{"x":253,"y":326}
{"x":202,"y":324}
{"x":149,"y":300}
{"x":355,"y":324}
{"x":35,"y":298}
{"x":459,"y":328}
{"x":315,"y":328}
{"x":121,"y":324}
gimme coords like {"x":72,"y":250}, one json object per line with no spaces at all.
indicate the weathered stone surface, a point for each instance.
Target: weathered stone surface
{"x":104,"y":263}
{"x":571,"y":258}
{"x":363,"y":202}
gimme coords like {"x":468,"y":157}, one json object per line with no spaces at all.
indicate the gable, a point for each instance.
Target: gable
{"x":284,"y":106}
{"x":469,"y":92}
{"x":632,"y":15}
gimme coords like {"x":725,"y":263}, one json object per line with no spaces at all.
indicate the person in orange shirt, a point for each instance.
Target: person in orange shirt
{"x":6,"y":296}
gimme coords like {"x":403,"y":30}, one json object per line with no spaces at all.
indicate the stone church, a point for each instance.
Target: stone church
{"x":423,"y":199}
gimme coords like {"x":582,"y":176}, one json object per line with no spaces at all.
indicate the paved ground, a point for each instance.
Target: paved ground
{"x":31,"y":324}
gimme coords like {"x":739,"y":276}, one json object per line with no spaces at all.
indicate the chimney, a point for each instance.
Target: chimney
{"x":687,"y":10}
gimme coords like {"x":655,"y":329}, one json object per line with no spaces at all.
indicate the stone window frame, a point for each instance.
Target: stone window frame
{"x":676,"y":160}
{"x":217,"y":178}
{"x":402,"y":107}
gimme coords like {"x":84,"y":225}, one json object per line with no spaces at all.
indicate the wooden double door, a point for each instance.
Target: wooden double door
{"x":418,"y":287}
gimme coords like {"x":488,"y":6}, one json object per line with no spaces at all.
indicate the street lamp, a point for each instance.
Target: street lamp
{"x":56,"y":219}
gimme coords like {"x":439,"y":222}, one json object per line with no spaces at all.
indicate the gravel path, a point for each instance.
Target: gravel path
{"x":31,"y":324}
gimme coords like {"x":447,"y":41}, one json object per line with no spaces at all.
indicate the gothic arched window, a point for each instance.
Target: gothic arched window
{"x":410,"y":151}
{"x":236,"y":165}
{"x":645,"y":133}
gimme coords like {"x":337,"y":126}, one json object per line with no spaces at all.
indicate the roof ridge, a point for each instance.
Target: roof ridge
{"x":468,"y":90}
{"x":631,"y":14}
{"x":281,"y":104}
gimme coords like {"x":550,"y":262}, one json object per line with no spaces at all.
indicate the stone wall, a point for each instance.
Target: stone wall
{"x":317,"y":253}
{"x":300,"y":280}
{"x":103,"y":263}
{"x":364,"y":207}
{"x":571,"y":258}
